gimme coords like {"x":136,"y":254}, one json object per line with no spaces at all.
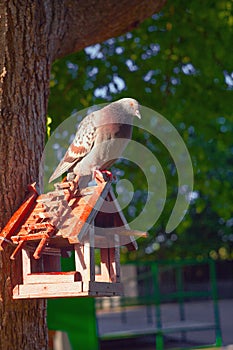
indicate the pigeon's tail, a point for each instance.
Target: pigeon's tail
{"x":61,"y":169}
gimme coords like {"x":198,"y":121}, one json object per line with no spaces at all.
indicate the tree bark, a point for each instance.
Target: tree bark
{"x":32,"y":35}
{"x":93,"y":21}
{"x":24,"y":79}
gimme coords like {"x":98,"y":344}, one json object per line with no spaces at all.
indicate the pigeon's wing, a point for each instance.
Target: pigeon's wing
{"x":79,"y":148}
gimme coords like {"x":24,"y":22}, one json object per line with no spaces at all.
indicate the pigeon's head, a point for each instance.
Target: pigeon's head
{"x":131,"y":106}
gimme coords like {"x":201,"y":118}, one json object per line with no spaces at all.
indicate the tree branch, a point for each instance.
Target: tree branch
{"x":86,"y":22}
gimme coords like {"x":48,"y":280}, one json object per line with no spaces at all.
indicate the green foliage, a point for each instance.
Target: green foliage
{"x":179,"y":63}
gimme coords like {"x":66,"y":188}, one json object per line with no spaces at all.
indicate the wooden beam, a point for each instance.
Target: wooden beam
{"x":17,"y":250}
{"x":52,"y":277}
{"x":82,"y":263}
{"x":105,"y":288}
{"x":104,"y":264}
{"x":92,"y":252}
{"x":19,"y":216}
{"x":86,"y":210}
{"x":26,"y":264}
{"x":48,"y":290}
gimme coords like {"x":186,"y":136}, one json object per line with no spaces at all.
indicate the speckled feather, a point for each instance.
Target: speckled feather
{"x":95,"y":144}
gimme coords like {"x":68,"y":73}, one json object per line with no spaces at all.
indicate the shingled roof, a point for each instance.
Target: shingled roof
{"x":62,"y":217}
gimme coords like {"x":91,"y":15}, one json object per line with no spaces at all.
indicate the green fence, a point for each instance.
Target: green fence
{"x":153,"y":294}
{"x":77,"y":316}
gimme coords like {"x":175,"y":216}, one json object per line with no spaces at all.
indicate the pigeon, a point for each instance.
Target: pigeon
{"x":100,"y":140}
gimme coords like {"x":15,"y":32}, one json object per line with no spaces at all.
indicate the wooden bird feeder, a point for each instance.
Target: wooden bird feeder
{"x":49,"y":226}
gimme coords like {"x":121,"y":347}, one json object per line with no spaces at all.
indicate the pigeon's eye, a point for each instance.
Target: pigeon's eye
{"x":131,"y":104}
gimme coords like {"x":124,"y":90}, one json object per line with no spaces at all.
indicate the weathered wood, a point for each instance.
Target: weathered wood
{"x":52,"y":277}
{"x":88,"y":213}
{"x":37,"y":226}
{"x":122,"y":231}
{"x":77,"y":214}
{"x":39,"y":249}
{"x":48,"y":250}
{"x":33,"y":35}
{"x":48,"y":290}
{"x":114,"y":263}
{"x":117,"y":264}
{"x":26,"y":264}
{"x":51,"y":262}
{"x":17,"y":250}
{"x":102,"y":288}
{"x":100,"y":278}
{"x":19,"y":216}
{"x":30,"y":237}
{"x":92,"y":252}
{"x":82,"y":264}
{"x":110,"y":264}
{"x":104,"y":264}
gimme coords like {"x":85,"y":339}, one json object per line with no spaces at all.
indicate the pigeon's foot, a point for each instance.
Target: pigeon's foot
{"x":106,"y":175}
{"x":70,"y":176}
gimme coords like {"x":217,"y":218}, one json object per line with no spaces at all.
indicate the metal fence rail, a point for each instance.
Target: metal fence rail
{"x":142,"y":314}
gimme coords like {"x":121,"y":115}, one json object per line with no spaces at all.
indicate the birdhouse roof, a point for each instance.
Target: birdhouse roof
{"x":64,"y":216}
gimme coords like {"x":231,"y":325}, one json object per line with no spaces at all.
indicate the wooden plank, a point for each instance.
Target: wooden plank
{"x":17,"y":250}
{"x":39,"y":249}
{"x":121,"y":231}
{"x":83,"y":214}
{"x":47,"y":251}
{"x":62,"y":185}
{"x":48,"y":290}
{"x":110,"y":264}
{"x":30,"y":237}
{"x":82,"y":263}
{"x":41,"y":215}
{"x":32,"y":219}
{"x":92,"y":252}
{"x":19,"y":216}
{"x":50,"y":196}
{"x":114,"y":262}
{"x":90,"y":210}
{"x":51,"y":263}
{"x":38,"y":226}
{"x":104,"y":264}
{"x":118,"y":265}
{"x":65,"y":290}
{"x":100,"y":278}
{"x":39,"y":207}
{"x":102,"y":288}
{"x":52,"y":277}
{"x":26,"y":263}
{"x":86,"y":192}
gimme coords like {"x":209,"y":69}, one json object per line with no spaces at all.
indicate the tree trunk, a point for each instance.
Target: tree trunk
{"x":32,"y":35}
{"x":23,"y":96}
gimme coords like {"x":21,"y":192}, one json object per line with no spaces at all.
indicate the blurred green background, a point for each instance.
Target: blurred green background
{"x":179,"y":63}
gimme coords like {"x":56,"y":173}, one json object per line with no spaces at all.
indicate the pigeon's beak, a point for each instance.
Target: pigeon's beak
{"x":137,"y":114}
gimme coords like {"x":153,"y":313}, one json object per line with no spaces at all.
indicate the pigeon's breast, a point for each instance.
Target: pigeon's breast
{"x":109,"y":145}
{"x":113,"y":131}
